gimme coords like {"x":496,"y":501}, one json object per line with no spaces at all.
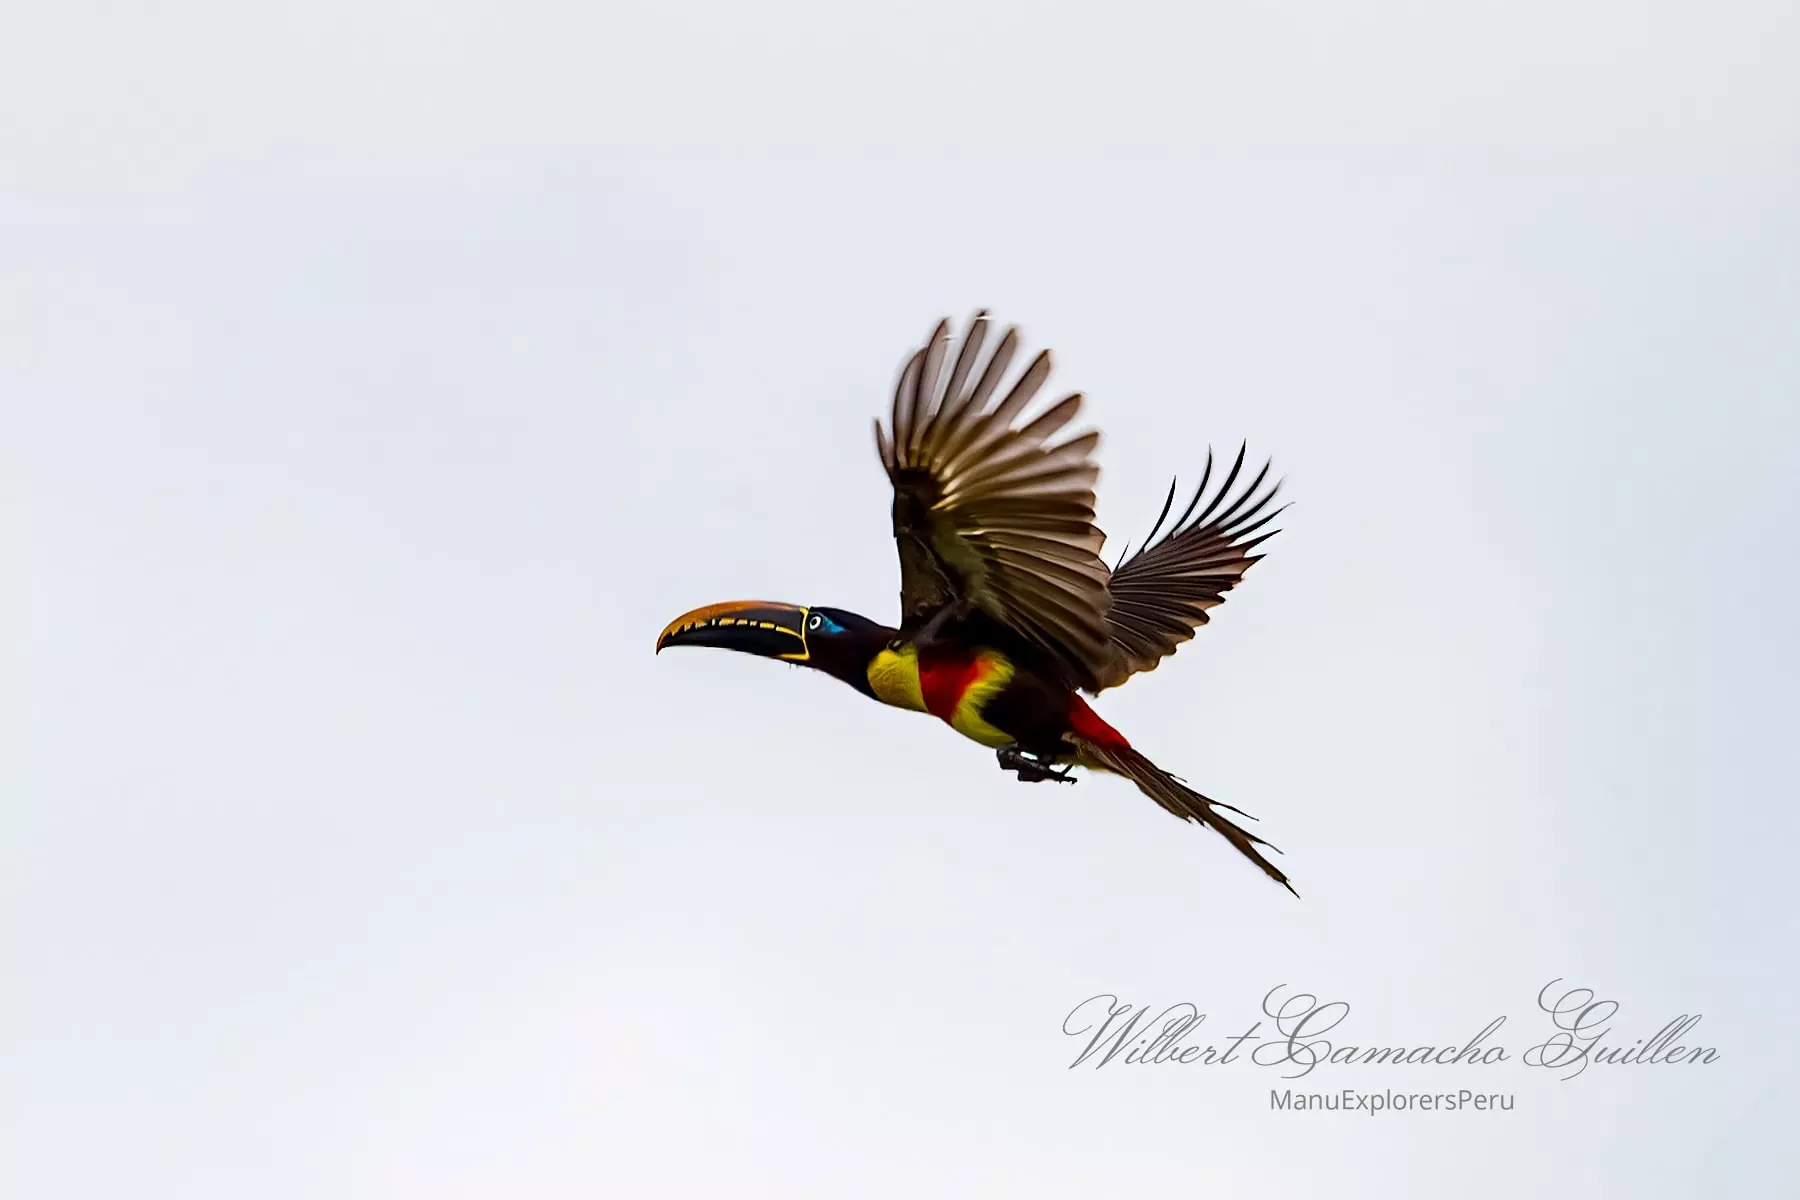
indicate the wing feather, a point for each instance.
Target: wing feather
{"x":989,"y":512}
{"x":1161,"y":595}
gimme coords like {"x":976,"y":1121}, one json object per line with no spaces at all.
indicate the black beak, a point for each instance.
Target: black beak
{"x":749,"y":626}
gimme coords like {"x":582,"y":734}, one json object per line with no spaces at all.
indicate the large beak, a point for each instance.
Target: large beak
{"x":751,"y":626}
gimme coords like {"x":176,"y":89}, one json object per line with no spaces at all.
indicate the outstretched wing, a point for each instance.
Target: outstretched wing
{"x":1161,"y":594}
{"x":992,"y":516}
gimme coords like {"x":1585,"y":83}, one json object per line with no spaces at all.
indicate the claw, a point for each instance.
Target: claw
{"x":1029,"y":767}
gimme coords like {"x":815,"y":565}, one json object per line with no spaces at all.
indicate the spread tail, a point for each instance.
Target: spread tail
{"x":1179,"y":799}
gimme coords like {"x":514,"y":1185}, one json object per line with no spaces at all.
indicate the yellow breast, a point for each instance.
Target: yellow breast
{"x":894,"y":678}
{"x":957,"y":695}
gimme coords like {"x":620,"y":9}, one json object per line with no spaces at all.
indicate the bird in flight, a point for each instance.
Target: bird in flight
{"x":1007,"y":612}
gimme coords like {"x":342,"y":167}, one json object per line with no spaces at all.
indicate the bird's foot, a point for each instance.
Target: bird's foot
{"x":1029,"y":767}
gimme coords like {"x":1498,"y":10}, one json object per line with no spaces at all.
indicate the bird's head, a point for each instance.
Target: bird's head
{"x":832,"y":640}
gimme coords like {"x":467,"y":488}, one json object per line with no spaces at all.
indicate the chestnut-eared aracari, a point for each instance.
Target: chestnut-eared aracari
{"x":1007,"y":613}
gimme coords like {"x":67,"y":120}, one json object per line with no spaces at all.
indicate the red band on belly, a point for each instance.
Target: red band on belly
{"x":943,"y":678}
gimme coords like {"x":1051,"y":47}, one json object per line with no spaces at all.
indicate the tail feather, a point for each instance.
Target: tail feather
{"x":1176,"y":797}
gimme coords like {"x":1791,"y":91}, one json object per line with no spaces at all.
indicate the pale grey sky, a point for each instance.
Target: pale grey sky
{"x":379,"y":378}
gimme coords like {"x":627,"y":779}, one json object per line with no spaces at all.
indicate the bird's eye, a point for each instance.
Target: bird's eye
{"x":816,"y":621}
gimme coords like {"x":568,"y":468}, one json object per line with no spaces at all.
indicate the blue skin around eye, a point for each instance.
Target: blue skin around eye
{"x":827,"y":625}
